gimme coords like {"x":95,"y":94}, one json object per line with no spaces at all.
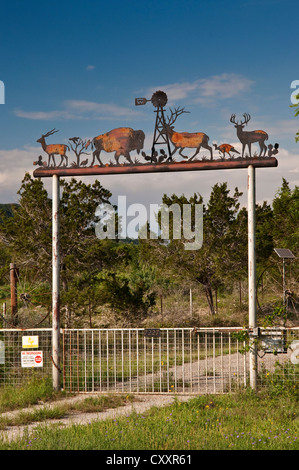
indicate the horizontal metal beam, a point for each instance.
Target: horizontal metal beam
{"x":157,"y":168}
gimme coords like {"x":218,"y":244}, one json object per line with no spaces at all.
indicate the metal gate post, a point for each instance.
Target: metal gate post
{"x":55,"y":284}
{"x":252,"y":275}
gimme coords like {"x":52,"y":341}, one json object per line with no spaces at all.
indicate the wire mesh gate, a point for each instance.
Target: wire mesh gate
{"x":167,"y":360}
{"x":178,"y":360}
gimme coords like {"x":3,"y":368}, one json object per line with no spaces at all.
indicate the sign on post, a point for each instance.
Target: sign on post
{"x":32,"y":358}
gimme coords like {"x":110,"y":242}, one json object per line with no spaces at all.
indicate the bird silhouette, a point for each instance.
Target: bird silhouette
{"x":74,"y":139}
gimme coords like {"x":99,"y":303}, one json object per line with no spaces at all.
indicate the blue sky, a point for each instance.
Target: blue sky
{"x":78,"y":66}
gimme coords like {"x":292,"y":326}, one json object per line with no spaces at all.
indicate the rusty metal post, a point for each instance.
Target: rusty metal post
{"x":13,"y":293}
{"x":55,"y":284}
{"x":252,"y":304}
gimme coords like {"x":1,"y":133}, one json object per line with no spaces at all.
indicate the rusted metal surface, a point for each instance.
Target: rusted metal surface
{"x":249,"y":137}
{"x":184,"y":140}
{"x":122,"y":141}
{"x":13,"y":293}
{"x":140,"y":101}
{"x":125,"y":140}
{"x":196,"y":140}
{"x":226,"y":148}
{"x":159,"y":100}
{"x":53,"y":149}
{"x":161,"y":167}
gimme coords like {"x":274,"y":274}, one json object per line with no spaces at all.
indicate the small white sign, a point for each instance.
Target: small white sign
{"x":32,"y":358}
{"x":30,"y":342}
{"x":295,"y":352}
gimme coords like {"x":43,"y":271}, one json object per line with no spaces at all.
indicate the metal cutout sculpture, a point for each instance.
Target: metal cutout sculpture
{"x":183,"y":140}
{"x":78,"y":146}
{"x":124,"y":140}
{"x":225,"y":148}
{"x":53,"y":149}
{"x":249,"y":137}
{"x":159,"y":100}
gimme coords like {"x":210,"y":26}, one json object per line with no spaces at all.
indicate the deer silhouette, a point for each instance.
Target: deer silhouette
{"x":53,"y":149}
{"x":182,"y":140}
{"x":249,"y":137}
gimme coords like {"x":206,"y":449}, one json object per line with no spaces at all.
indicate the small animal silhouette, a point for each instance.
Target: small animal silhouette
{"x":226,"y":148}
{"x":40,"y":161}
{"x":272,"y":150}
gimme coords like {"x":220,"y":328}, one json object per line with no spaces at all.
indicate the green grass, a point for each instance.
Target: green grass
{"x":242,"y":421}
{"x":89,"y":405}
{"x":31,"y":393}
{"x":28,"y":417}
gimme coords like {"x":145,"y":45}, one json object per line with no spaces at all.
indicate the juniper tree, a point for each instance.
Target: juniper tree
{"x":28,"y":233}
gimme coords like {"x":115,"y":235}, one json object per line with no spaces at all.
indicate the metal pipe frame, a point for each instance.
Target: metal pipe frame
{"x":55,"y":283}
{"x":157,"y":168}
{"x":251,"y":164}
{"x":252,"y":304}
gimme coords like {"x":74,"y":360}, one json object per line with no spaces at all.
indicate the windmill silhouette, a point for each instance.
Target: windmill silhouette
{"x":159,"y":100}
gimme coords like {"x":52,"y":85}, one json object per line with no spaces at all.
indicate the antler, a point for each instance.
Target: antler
{"x":174,"y":115}
{"x":50,"y":132}
{"x":247,"y":118}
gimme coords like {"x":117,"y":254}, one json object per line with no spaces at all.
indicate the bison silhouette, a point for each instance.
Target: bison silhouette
{"x":122,"y":141}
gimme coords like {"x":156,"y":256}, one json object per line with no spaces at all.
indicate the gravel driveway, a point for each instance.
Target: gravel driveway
{"x":142,"y":403}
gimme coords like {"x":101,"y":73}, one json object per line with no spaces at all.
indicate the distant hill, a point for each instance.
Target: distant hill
{"x":8,"y":208}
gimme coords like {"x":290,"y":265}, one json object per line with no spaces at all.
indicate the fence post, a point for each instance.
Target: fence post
{"x":13,"y":294}
{"x":252,"y":275}
{"x":55,"y":284}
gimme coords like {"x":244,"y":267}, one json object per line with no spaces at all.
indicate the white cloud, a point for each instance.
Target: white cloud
{"x":285,"y":128}
{"x":101,"y":110}
{"x":80,"y":109}
{"x":222,"y":87}
{"x":90,"y":67}
{"x":13,"y":166}
{"x":42,"y":115}
{"x":206,"y":90}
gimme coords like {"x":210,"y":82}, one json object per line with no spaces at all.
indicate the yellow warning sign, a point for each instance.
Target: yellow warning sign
{"x":30,"y":342}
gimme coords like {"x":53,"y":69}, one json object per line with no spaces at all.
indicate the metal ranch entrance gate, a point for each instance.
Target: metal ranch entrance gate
{"x":167,"y":360}
{"x":174,"y":360}
{"x":122,"y":141}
